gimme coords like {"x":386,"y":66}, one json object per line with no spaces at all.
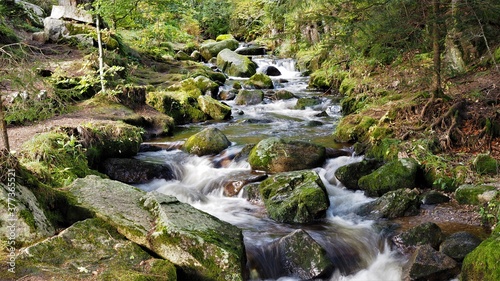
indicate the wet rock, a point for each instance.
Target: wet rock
{"x":473,"y":194}
{"x":429,"y":264}
{"x":459,"y":244}
{"x":133,"y":171}
{"x":212,"y":49}
{"x":228,"y":95}
{"x":434,"y":197}
{"x":91,"y":249}
{"x":235,"y":185}
{"x":394,"y":175}
{"x":208,"y":141}
{"x":276,"y":155}
{"x":251,"y":192}
{"x":22,"y":219}
{"x":271,"y":71}
{"x":259,"y":81}
{"x":295,"y":197}
{"x":334,"y":153}
{"x":425,"y":233}
{"x":282,"y":95}
{"x":252,"y":50}
{"x":302,"y":103}
{"x":201,"y":246}
{"x":215,"y":109}
{"x":482,"y":263}
{"x":301,"y":256}
{"x":249,"y":97}
{"x":235,"y":65}
{"x":393,"y":204}
{"x":350,"y":174}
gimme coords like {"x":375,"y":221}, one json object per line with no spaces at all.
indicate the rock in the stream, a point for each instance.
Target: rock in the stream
{"x":350,"y":174}
{"x":394,"y":175}
{"x":428,"y":264}
{"x":295,"y":197}
{"x":276,"y":155}
{"x":201,"y":246}
{"x":301,"y":256}
{"x":215,"y":109}
{"x":271,"y":71}
{"x":133,"y":171}
{"x":252,"y":50}
{"x":91,"y":250}
{"x":393,"y":204}
{"x":459,"y":244}
{"x":425,"y":233}
{"x":260,"y":81}
{"x":249,"y":97}
{"x":208,"y":141}
{"x":212,"y":49}
{"x":235,"y":65}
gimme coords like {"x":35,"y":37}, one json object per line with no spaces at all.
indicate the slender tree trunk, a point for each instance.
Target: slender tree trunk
{"x":436,"y":50}
{"x":3,"y":125}
{"x":99,"y":45}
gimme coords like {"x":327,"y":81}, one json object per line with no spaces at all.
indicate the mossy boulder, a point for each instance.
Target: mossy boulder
{"x":393,"y":204}
{"x":473,"y":194}
{"x":425,"y":233}
{"x":212,"y":49}
{"x":350,"y":174}
{"x":353,"y":128}
{"x":249,"y":97}
{"x":179,"y":104}
{"x":299,"y":255}
{"x":206,"y":85}
{"x":295,"y":197}
{"x":276,"y":155}
{"x":302,"y":103}
{"x":394,"y":175}
{"x":459,"y":244}
{"x":201,"y":246}
{"x":215,"y":109}
{"x":482,"y":263}
{"x":484,"y":164}
{"x":260,"y":81}
{"x":22,"y":219}
{"x":319,"y":79}
{"x":208,"y":141}
{"x":91,"y":249}
{"x":282,"y":95}
{"x":235,"y":65}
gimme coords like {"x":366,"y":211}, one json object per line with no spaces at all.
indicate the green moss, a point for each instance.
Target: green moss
{"x":223,"y":37}
{"x":260,"y":81}
{"x":353,"y":128}
{"x":347,"y":86}
{"x":386,"y":149}
{"x":485,"y":164}
{"x":302,"y":103}
{"x":469,"y":194}
{"x":28,"y":218}
{"x":483,"y":263}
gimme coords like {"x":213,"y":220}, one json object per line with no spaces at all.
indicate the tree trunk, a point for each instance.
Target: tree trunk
{"x":453,"y":56}
{"x":436,"y":50}
{"x":3,"y":127}
{"x":99,"y":45}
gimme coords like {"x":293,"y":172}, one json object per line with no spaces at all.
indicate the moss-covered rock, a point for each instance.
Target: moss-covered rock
{"x":349,"y":174}
{"x":182,"y":105}
{"x":205,"y":85}
{"x":425,"y":233}
{"x":302,"y":103}
{"x":212,"y":49}
{"x":394,"y":175}
{"x":208,"y":141}
{"x":276,"y":155}
{"x":485,"y":164}
{"x":471,"y":194}
{"x":92,"y":249}
{"x":223,"y":37}
{"x":201,"y":246}
{"x":295,"y":197}
{"x":235,"y":65}
{"x":483,"y":262}
{"x":283,"y":95}
{"x":249,"y":97}
{"x":214,"y":108}
{"x":393,"y":204}
{"x":353,"y":128}
{"x":385,"y":150}
{"x":260,"y":81}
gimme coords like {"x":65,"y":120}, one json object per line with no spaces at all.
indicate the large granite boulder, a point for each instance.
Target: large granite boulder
{"x":301,"y":256}
{"x":91,"y":250}
{"x":295,"y":197}
{"x":212,"y":49}
{"x":459,"y":244}
{"x":428,"y":264}
{"x":393,"y":204}
{"x":206,"y":142}
{"x":350,"y":174}
{"x":249,"y":97}
{"x":394,"y":175}
{"x":133,"y":171}
{"x":276,"y":155}
{"x":201,"y":246}
{"x":215,"y":109}
{"x":235,"y":65}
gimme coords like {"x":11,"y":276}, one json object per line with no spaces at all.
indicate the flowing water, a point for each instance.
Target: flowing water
{"x":353,"y":243}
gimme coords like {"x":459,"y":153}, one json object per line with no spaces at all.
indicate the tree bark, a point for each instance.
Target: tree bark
{"x":436,"y":50}
{"x":3,"y":125}
{"x":99,"y":46}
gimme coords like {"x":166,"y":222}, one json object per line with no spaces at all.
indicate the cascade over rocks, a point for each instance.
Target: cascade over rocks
{"x":271,"y":71}
{"x":276,"y":155}
{"x":208,"y":141}
{"x":91,"y":250}
{"x":235,"y":65}
{"x":200,"y":245}
{"x":295,"y":197}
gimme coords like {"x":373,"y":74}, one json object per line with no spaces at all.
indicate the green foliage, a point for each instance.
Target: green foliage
{"x":213,"y":16}
{"x":490,"y":213}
